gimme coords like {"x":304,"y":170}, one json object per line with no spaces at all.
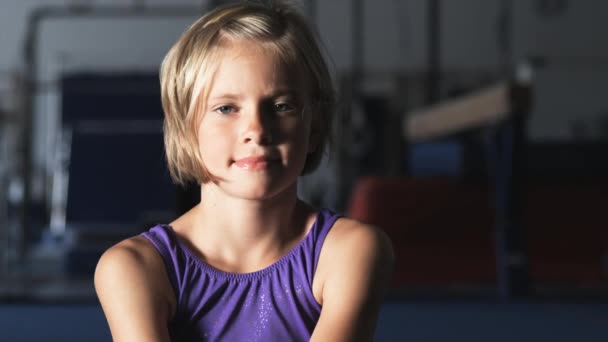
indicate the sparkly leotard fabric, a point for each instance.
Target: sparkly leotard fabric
{"x":273,"y":304}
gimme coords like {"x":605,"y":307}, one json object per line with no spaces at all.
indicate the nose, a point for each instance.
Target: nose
{"x":256,"y":128}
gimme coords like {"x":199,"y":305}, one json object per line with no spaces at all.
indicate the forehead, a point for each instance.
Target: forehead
{"x":242,"y":63}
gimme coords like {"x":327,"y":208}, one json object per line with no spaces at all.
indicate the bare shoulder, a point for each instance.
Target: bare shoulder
{"x":351,"y":237}
{"x":355,"y":267}
{"x":352,"y":247}
{"x":133,"y":257}
{"x":134,"y":291}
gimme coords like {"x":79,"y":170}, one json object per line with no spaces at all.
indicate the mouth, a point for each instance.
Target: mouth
{"x":254,"y":163}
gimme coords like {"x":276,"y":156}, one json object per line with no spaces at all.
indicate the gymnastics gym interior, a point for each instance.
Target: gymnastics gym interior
{"x":473,"y":132}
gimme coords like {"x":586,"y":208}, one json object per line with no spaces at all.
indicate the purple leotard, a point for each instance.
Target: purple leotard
{"x":273,"y":304}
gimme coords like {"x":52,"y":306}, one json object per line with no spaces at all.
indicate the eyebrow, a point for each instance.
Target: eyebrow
{"x":225,"y":96}
{"x":276,"y":93}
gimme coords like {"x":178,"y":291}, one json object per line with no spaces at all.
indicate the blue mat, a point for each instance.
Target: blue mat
{"x":399,"y":321}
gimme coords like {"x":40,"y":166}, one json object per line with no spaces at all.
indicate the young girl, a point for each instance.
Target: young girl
{"x":247,"y":98}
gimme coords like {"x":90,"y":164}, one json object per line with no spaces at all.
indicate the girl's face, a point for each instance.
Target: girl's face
{"x":254,"y":133}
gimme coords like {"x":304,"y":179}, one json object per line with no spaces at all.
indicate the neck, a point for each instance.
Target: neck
{"x":234,"y":228}
{"x":251,"y":215}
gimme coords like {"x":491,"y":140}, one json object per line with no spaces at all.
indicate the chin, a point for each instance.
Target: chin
{"x":256,"y":191}
{"x":254,"y":195}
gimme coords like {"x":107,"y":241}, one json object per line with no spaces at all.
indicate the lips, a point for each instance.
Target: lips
{"x":253,"y":163}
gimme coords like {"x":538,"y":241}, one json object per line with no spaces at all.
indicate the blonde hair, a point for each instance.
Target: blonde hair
{"x":188,"y":66}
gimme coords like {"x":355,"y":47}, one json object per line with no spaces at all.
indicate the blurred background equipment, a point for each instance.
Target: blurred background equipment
{"x":112,"y":130}
{"x":90,"y":141}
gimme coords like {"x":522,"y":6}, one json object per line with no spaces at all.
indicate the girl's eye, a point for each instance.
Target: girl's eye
{"x":284,"y":107}
{"x":226,"y":109}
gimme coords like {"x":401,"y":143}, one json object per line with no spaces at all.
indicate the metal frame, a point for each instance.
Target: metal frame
{"x":31,"y":86}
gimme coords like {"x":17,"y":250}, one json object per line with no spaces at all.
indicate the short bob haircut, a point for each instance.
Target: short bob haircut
{"x":186,"y":70}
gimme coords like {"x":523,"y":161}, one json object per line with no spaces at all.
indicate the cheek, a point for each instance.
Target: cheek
{"x":212,"y":146}
{"x":307,"y":134}
{"x":301,"y":139}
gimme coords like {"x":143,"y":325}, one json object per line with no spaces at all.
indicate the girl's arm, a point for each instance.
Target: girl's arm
{"x":134,"y":291}
{"x":355,"y":266}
